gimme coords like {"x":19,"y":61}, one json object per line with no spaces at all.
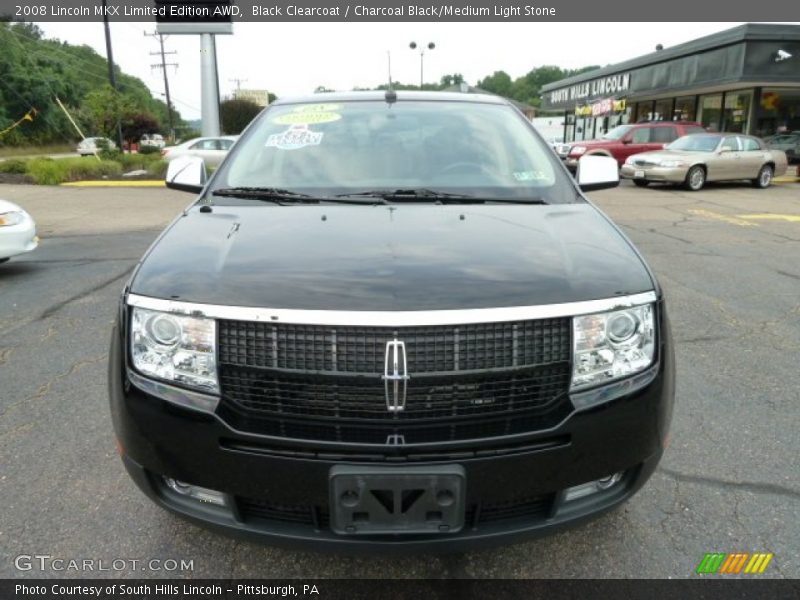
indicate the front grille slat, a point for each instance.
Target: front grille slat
{"x":471,"y":381}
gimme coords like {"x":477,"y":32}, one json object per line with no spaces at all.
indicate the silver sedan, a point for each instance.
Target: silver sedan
{"x":696,"y":159}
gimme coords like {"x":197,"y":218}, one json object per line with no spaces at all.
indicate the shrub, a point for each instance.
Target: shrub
{"x":52,"y":172}
{"x":158,"y":168}
{"x":149,"y":150}
{"x":14,"y":165}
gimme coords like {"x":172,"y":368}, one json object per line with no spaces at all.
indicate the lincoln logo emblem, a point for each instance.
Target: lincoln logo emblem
{"x":395,"y":375}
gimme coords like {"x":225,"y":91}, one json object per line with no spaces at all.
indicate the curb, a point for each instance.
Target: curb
{"x":147,"y":183}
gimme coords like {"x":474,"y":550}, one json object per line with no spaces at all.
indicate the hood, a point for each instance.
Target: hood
{"x":399,"y":257}
{"x":657,"y":155}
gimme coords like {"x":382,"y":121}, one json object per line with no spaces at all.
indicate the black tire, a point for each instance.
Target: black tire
{"x":764,"y":178}
{"x":641,"y":182}
{"x":695,"y":179}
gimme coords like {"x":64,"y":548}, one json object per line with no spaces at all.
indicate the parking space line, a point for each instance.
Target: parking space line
{"x":733,"y":220}
{"x":772,"y":217}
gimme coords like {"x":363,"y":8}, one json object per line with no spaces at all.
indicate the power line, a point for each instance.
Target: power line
{"x":163,"y":66}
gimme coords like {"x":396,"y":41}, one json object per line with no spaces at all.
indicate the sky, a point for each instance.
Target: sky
{"x":294,"y":58}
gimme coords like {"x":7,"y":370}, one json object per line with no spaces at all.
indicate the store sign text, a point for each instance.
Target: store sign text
{"x":597,"y":87}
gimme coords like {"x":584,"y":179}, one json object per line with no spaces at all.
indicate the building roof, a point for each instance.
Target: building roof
{"x":747,"y":32}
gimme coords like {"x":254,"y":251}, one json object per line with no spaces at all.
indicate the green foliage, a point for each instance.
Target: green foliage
{"x":145,"y":149}
{"x":46,"y":171}
{"x":528,"y":88}
{"x":34,"y":70}
{"x":13,"y":165}
{"x":237,"y":114}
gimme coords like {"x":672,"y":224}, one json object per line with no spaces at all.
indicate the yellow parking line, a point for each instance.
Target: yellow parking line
{"x":132,"y":183}
{"x":772,"y":217}
{"x":720,"y":217}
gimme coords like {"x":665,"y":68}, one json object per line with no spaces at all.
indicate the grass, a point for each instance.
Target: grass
{"x":47,"y":171}
{"x":11,"y":151}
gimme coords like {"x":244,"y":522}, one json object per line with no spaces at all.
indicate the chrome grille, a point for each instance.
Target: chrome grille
{"x":361,"y":350}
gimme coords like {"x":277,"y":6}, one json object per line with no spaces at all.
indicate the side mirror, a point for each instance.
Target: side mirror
{"x":187,"y":174}
{"x":597,"y":173}
{"x":627,"y":140}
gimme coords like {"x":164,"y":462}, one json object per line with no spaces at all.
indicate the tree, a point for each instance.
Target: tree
{"x":449,"y":80}
{"x":135,"y":125}
{"x":237,"y":114}
{"x":104,"y":108}
{"x":498,"y":83}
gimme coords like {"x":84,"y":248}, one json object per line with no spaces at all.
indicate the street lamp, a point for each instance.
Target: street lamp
{"x":413,"y":46}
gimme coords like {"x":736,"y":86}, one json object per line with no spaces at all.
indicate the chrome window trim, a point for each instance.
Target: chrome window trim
{"x":388,"y":318}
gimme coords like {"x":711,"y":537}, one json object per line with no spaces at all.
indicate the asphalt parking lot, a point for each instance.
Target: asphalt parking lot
{"x":728,"y":258}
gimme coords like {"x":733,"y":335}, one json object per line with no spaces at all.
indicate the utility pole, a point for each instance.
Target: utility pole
{"x":238,"y":81}
{"x":163,"y":66}
{"x":209,"y":86}
{"x":110,"y":59}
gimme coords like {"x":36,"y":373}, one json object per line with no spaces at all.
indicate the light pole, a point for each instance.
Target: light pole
{"x":413,"y":46}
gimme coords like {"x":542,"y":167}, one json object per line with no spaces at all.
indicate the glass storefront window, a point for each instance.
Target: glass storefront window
{"x":778,"y":111}
{"x":684,"y":109}
{"x":663,"y":110}
{"x":737,"y":111}
{"x":710,"y":111}
{"x":644,"y":111}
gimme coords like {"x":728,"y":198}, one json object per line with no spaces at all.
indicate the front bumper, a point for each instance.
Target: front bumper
{"x":18,"y":239}
{"x":158,"y":438}
{"x":652,"y":173}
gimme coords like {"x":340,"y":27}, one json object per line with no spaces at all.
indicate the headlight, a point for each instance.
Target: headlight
{"x":11,"y":218}
{"x":612,"y":345}
{"x":670,"y":163}
{"x":175,"y":348}
{"x":577,"y":150}
{"x":629,"y":160}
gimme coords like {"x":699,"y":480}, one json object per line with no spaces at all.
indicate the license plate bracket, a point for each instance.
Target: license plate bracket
{"x":402,"y":500}
{"x":638,"y":174}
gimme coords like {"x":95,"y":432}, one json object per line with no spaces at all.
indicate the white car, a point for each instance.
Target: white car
{"x":152,"y":139}
{"x":17,"y":231}
{"x":91,"y":145}
{"x":211,"y":149}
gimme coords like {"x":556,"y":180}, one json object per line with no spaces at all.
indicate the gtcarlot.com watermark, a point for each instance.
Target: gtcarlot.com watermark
{"x":48,"y":563}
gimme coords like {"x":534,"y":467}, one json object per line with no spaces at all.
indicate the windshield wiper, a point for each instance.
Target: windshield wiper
{"x":424,"y":194}
{"x":283,"y":196}
{"x":264,"y":193}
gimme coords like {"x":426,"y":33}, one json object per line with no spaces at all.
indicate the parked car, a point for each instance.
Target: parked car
{"x":93,"y":145}
{"x":17,"y":231}
{"x":152,"y":139}
{"x":391,"y":321}
{"x":211,"y":149}
{"x":696,"y":159}
{"x":788,"y":142}
{"x":625,"y":140}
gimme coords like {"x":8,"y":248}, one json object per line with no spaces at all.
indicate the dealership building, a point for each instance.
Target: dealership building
{"x":745,"y":79}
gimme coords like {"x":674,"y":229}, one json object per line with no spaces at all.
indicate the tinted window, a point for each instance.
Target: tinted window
{"x":729,"y":143}
{"x":749,"y":144}
{"x":696,"y":143}
{"x":225,"y":144}
{"x":350,"y":147}
{"x":642,"y":135}
{"x":664,"y":135}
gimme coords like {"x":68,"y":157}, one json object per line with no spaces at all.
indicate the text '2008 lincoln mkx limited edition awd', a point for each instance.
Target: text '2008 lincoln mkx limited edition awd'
{"x":391,"y":321}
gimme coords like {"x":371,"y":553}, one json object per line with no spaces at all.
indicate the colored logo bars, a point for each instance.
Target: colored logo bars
{"x":732,"y":564}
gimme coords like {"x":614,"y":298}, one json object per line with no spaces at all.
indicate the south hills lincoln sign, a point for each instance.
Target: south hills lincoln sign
{"x":603,"y":86}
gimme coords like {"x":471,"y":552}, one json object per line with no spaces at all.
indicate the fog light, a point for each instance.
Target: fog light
{"x":593,"y":487}
{"x":196,"y":492}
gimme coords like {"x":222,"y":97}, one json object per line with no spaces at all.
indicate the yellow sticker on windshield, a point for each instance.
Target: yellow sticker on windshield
{"x":317,"y":108}
{"x":307,"y":118}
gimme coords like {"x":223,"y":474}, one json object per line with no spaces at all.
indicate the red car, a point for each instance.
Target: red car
{"x":624,"y":140}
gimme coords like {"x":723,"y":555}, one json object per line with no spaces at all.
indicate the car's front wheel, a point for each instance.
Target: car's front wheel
{"x":641,"y":182}
{"x":764,"y":177}
{"x":695,"y":178}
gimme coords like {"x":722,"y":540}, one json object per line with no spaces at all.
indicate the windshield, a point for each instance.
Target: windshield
{"x":696,"y":143}
{"x":330,"y":149}
{"x":617,"y":133}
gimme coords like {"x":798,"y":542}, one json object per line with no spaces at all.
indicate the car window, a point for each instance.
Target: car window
{"x":729,"y":143}
{"x":664,"y":135}
{"x":225,"y":144}
{"x":749,"y":144}
{"x":642,"y":135}
{"x":696,"y":143}
{"x":205,"y":145}
{"x":693,"y":129}
{"x":351,"y":147}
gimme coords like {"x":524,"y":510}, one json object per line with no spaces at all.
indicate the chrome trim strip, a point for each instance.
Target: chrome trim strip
{"x":607,"y":392}
{"x":187,"y":398}
{"x":388,"y":318}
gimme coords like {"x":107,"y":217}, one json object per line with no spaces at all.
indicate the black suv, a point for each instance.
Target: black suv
{"x":391,"y":320}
